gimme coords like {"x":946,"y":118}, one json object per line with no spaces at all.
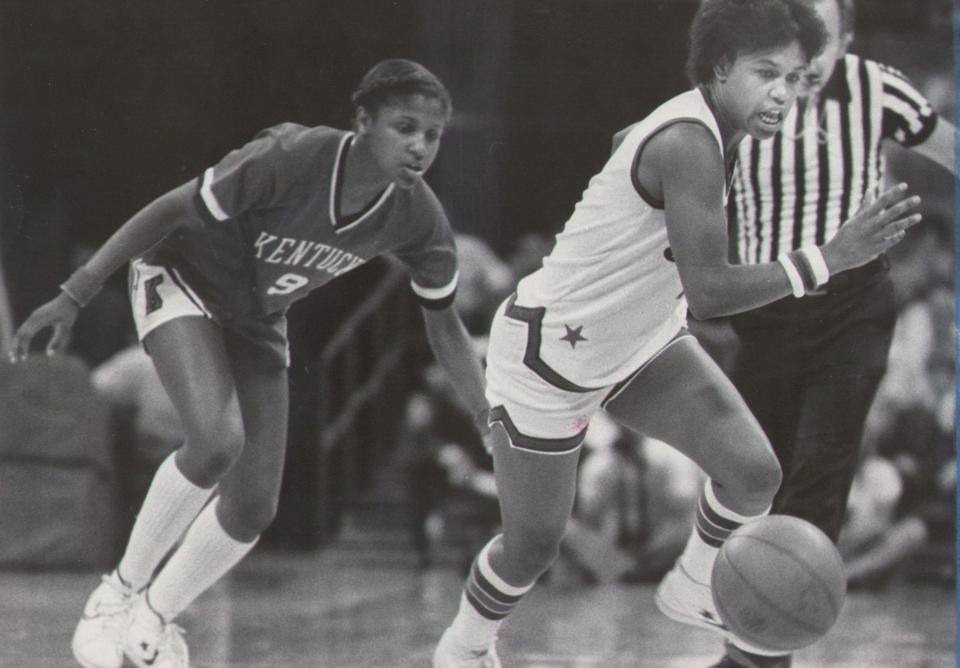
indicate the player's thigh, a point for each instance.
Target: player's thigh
{"x":536,"y":490}
{"x":264,"y":397}
{"x":684,"y":399}
{"x":192,"y":362}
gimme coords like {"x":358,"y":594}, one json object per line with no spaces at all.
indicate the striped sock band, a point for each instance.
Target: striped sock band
{"x":713,"y":524}
{"x":715,"y":521}
{"x":487,"y":592}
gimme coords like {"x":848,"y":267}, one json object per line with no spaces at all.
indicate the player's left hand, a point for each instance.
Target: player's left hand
{"x":59,"y":313}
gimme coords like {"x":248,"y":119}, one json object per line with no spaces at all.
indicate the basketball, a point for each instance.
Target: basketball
{"x":779,"y":583}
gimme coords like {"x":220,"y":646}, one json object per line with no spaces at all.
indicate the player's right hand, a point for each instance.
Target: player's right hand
{"x":876,"y":227}
{"x":59,"y":313}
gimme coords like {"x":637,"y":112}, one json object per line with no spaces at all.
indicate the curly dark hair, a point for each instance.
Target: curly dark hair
{"x":398,"y":77}
{"x":722,"y":29}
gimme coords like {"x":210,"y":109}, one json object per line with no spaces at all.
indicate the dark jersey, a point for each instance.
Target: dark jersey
{"x":273,"y":230}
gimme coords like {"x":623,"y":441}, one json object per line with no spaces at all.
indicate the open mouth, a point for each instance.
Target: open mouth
{"x":772,"y":118}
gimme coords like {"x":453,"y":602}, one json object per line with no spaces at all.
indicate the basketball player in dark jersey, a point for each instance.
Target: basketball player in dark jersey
{"x":215,"y":264}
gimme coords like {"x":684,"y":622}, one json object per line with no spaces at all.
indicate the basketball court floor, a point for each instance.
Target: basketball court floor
{"x":352,"y":607}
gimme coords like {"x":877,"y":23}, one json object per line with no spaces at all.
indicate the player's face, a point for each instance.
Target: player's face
{"x":404,"y":136}
{"x":822,"y":66}
{"x":760,"y":88}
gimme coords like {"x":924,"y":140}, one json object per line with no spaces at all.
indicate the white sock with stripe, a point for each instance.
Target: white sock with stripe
{"x":714,"y":523}
{"x":172,"y":502}
{"x":206,"y":554}
{"x":486,"y":600}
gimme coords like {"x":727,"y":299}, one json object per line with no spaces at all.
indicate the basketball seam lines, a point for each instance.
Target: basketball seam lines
{"x":806,"y":567}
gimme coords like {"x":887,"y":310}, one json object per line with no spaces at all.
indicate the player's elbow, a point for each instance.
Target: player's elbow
{"x":705,"y":303}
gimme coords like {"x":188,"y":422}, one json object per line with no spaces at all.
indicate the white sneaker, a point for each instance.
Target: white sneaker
{"x":450,"y":653}
{"x":685,"y":600}
{"x":98,"y":639}
{"x":150,"y":642}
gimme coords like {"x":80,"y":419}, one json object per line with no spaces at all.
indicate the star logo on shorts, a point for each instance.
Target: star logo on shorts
{"x":573,"y":335}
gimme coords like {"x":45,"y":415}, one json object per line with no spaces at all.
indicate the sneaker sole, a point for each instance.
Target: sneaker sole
{"x":684,"y":618}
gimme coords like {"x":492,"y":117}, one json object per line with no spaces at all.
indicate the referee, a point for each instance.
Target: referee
{"x":809,"y":366}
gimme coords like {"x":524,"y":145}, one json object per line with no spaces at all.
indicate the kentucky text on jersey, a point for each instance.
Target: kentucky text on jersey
{"x":304,"y":253}
{"x":273,"y":230}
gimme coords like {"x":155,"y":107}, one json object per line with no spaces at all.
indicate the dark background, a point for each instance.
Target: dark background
{"x":107,"y":105}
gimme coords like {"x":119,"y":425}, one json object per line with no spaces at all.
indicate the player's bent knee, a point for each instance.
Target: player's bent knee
{"x":756,"y":478}
{"x":763,"y":476}
{"x":219,"y":457}
{"x":245,"y":519}
{"x":211,"y":451}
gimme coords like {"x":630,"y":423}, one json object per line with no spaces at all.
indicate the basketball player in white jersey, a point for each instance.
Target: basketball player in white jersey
{"x":601,"y":324}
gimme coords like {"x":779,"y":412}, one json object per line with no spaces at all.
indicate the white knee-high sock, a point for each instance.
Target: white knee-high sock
{"x":170,"y":505}
{"x":714,"y":523}
{"x":486,"y":600}
{"x":205,"y":555}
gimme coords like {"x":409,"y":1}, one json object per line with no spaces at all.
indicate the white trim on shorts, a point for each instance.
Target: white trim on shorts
{"x":178,"y":300}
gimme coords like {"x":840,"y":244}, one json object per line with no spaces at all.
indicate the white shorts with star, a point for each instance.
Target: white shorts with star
{"x":541,"y":410}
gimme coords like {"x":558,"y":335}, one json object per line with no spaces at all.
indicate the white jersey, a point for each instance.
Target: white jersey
{"x":609,"y":295}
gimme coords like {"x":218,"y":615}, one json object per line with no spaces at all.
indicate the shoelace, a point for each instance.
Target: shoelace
{"x":120,"y":589}
{"x":114,"y":613}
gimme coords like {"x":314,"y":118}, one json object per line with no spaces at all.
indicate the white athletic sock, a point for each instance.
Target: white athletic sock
{"x":170,"y":505}
{"x":486,"y":600}
{"x":714,"y":522}
{"x":205,"y":555}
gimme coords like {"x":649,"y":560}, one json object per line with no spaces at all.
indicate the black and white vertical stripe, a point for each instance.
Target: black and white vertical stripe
{"x":796,"y":189}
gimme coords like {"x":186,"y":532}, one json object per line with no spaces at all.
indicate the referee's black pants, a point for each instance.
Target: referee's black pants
{"x":809,"y":369}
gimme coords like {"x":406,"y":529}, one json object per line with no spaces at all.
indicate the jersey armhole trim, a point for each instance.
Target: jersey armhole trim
{"x":643,"y":192}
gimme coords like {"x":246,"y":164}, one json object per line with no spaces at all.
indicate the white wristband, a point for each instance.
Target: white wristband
{"x":819,"y":265}
{"x":796,"y":283}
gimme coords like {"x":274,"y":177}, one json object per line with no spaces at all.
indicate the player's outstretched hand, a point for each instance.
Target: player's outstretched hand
{"x":876,"y":227}
{"x":59,"y":313}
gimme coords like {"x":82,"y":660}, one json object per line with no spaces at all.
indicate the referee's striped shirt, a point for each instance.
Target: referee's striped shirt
{"x":797,"y":188}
